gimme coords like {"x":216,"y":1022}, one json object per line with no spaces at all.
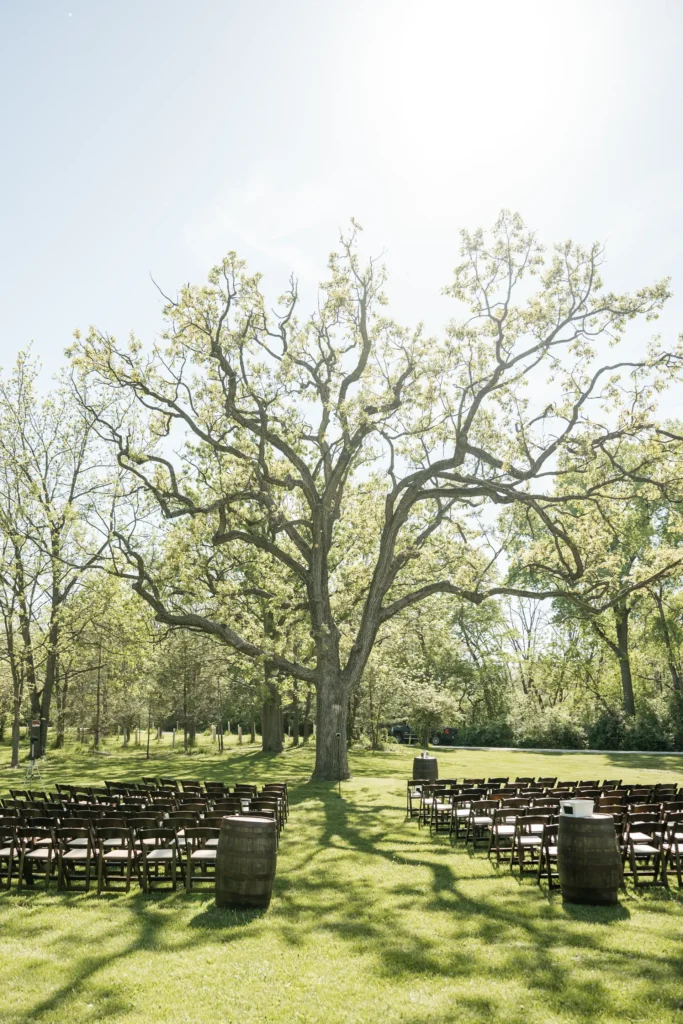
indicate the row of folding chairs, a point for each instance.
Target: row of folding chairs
{"x":523,"y":830}
{"x":68,"y":849}
{"x":535,"y":789}
{"x":71,"y":854}
{"x":92,"y":803}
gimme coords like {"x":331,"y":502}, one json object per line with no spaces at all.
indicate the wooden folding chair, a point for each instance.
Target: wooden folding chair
{"x":547,"y":857}
{"x":160,"y":858}
{"x":75,"y":854}
{"x":37,"y":852}
{"x":201,"y":851}
{"x":116,"y":858}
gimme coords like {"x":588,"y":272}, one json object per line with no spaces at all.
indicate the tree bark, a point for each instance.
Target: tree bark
{"x":307,"y":714}
{"x":621,"y":617}
{"x":331,"y":759}
{"x":271,"y":715}
{"x":673,"y":662}
{"x":295,"y":716}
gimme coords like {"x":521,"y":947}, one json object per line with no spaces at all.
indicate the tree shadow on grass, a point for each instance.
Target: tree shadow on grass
{"x":513,"y":925}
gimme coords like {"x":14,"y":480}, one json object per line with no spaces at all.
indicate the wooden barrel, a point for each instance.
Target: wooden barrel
{"x":426,"y":769}
{"x":246,"y":861}
{"x":588,"y":859}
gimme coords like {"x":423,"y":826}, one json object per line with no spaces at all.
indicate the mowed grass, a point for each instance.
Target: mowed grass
{"x":372,"y":920}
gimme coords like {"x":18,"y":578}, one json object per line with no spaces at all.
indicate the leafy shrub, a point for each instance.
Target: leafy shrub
{"x":488,"y":734}
{"x":553,"y":729}
{"x":607,"y":731}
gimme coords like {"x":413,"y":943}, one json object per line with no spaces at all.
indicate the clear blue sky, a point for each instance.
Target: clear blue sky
{"x":150,"y":137}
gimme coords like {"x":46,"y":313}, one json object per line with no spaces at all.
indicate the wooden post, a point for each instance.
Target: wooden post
{"x":239,"y":734}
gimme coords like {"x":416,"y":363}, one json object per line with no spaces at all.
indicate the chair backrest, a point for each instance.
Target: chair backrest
{"x":138,"y":823}
{"x":546,"y":801}
{"x":672,"y":806}
{"x":151,"y":780}
{"x":66,"y":834}
{"x":527,"y":780}
{"x":27,"y":813}
{"x":227,"y":805}
{"x":160,"y":804}
{"x":611,"y":784}
{"x":180,"y":821}
{"x":485,"y":808}
{"x":497,"y":782}
{"x":8,"y":836}
{"x":191,"y":785}
{"x":163,"y":838}
{"x":245,"y":787}
{"x":564,"y":784}
{"x":29,"y":836}
{"x":530,"y":822}
{"x":170,"y":783}
{"x":547,"y":780}
{"x":212,"y":821}
{"x":635,"y":809}
{"x":216,"y":787}
{"x":109,"y":832}
{"x":110,"y":822}
{"x":473,"y":783}
{"x":197,"y":838}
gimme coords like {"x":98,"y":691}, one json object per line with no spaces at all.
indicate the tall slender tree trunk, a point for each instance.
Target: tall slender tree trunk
{"x":295,"y":716}
{"x":307,"y":713}
{"x":621,"y":620}
{"x":17,"y":693}
{"x":672,"y":659}
{"x":271,"y":714}
{"x":96,"y":738}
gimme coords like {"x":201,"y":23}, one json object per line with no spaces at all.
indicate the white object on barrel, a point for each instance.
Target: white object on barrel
{"x":578,"y":808}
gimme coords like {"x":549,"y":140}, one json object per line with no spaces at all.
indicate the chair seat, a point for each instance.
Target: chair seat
{"x":644,"y":849}
{"x":6,"y":851}
{"x":530,"y":840}
{"x":482,"y":820}
{"x":77,"y":855}
{"x":119,"y":854}
{"x":552,"y":851}
{"x":40,"y":853}
{"x":204,"y":854}
{"x":639,"y":837}
{"x":503,"y":830}
{"x":162,"y":854}
{"x":78,"y":842}
{"x":213,"y":843}
{"x":462,"y":812}
{"x":442,"y":807}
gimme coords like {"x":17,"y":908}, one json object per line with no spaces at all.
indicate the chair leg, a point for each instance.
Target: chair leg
{"x":100,"y":864}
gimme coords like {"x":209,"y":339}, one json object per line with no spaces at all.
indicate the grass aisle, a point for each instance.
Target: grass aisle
{"x":372,"y":920}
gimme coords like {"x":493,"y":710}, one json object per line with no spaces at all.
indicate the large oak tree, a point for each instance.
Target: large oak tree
{"x":262,"y":428}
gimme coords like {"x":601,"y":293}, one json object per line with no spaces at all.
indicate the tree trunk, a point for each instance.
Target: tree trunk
{"x":271,"y":716}
{"x":17,"y":686}
{"x":673,"y":661}
{"x":621,"y":617}
{"x":295,"y":716}
{"x":307,"y":713}
{"x":331,"y":760}
{"x":96,"y":739}
{"x":61,"y":692}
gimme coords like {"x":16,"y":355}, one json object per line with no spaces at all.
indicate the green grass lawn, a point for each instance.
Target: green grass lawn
{"x":371,"y":920}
